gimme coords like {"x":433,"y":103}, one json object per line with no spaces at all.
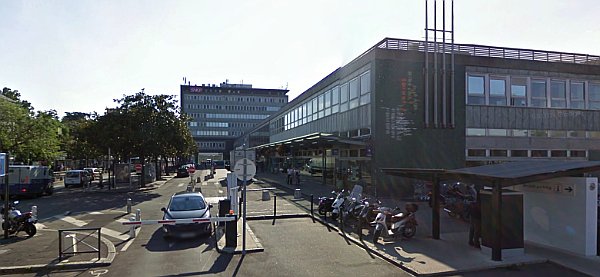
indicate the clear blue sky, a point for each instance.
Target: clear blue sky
{"x":80,"y":55}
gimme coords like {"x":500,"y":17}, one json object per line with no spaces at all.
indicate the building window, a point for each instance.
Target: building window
{"x":576,"y":134}
{"x":475,"y":132}
{"x":578,"y":153}
{"x":539,"y":153}
{"x":594,"y":98}
{"x":335,"y":100}
{"x":518,"y":153}
{"x":558,"y":153}
{"x":594,"y":134}
{"x":497,"y":92}
{"x":557,"y":134}
{"x":344,"y":97}
{"x":518,"y":92}
{"x":354,"y":92}
{"x":519,"y":133}
{"x":538,"y":93}
{"x":475,"y":90}
{"x":497,"y":132}
{"x":365,"y":83}
{"x":539,"y":133}
{"x":476,"y":152}
{"x":558,"y":94}
{"x":498,"y":153}
{"x":577,"y":95}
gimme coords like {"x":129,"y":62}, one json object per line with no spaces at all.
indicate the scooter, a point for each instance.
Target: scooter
{"x":325,"y":204}
{"x":369,"y":211}
{"x":391,"y":223}
{"x":19,"y":222}
{"x":338,"y":205}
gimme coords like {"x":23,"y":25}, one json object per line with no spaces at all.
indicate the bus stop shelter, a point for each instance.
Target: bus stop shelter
{"x":496,"y":176}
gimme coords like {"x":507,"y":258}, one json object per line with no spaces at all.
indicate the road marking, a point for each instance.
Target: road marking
{"x":4,"y":251}
{"x":114,"y":234}
{"x":74,"y":221}
{"x":181,"y":185}
{"x":137,"y":231}
{"x":220,"y":191}
{"x":96,"y":213}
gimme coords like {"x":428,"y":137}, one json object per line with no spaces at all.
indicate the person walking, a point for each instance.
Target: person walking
{"x":289,"y":175}
{"x":475,"y":226}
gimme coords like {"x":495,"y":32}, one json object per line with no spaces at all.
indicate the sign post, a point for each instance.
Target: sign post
{"x":4,"y":174}
{"x":244,"y":169}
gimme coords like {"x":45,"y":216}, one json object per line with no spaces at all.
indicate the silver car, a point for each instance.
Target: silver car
{"x":185,"y":205}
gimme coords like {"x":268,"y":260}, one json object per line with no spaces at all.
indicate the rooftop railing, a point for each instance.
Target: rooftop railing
{"x":488,"y":51}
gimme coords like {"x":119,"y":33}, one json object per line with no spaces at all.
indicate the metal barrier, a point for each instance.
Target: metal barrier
{"x":71,"y":248}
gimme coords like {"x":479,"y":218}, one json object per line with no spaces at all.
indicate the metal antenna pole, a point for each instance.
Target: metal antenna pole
{"x":244,"y":212}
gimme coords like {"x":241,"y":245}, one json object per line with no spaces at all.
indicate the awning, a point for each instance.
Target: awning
{"x":314,"y":140}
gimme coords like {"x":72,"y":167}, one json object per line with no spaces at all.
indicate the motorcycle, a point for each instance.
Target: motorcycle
{"x":392,"y":223}
{"x":369,"y":211}
{"x":17,"y":222}
{"x":352,"y":209}
{"x":458,"y":208}
{"x":325,"y":204}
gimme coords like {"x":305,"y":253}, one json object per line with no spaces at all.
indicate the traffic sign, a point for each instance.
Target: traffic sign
{"x":239,"y":169}
{"x":138,"y":167}
{"x":2,"y":164}
{"x":191,"y":169}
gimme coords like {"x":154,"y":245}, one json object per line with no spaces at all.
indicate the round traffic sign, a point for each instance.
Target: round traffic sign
{"x":191,"y":169}
{"x":239,"y":169}
{"x":138,"y":167}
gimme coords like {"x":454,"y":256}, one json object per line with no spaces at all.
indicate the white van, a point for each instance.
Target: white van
{"x":77,"y":178}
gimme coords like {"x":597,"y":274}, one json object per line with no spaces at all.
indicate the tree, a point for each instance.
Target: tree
{"x":146,"y":126}
{"x":79,"y":140}
{"x":28,"y":136}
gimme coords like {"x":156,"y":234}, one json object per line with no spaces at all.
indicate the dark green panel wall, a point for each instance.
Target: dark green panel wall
{"x":399,"y":134}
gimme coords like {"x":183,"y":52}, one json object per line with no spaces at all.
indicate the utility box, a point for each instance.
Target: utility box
{"x":512,"y":242}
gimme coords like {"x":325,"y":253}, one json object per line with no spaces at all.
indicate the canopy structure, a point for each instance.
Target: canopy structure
{"x":496,"y":176}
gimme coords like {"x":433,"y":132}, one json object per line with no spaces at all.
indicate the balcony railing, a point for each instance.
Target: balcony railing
{"x":488,"y":51}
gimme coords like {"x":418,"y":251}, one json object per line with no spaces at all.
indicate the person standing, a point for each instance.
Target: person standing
{"x":289,"y":175}
{"x":475,"y":226}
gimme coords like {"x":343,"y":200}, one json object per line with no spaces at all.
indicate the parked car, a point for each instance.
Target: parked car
{"x":187,"y":205}
{"x":95,"y":173}
{"x":182,"y":171}
{"x":77,"y":178}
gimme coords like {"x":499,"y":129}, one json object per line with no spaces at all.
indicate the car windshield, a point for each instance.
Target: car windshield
{"x":187,"y":203}
{"x":72,"y":174}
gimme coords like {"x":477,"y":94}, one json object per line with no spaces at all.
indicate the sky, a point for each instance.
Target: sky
{"x":78,"y":55}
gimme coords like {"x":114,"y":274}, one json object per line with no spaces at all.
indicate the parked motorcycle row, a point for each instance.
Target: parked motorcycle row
{"x":369,"y":213}
{"x":18,"y":221}
{"x":456,"y":199}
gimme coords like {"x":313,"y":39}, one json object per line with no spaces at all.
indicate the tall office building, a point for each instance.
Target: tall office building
{"x":224,"y":112}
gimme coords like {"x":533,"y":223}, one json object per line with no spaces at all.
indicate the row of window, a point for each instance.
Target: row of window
{"x":212,"y":133}
{"x":340,"y":98}
{"x":259,"y":99}
{"x":232,"y":107}
{"x":211,"y":145}
{"x":495,"y":90}
{"x":526,"y":153}
{"x":532,"y":133}
{"x":229,"y":116}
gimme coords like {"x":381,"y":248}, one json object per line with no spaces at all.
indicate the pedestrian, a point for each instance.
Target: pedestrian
{"x":289,"y":175}
{"x":475,"y":226}
{"x":297,"y":175}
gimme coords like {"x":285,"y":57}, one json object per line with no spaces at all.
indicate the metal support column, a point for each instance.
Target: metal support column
{"x":324,"y":169}
{"x":496,"y":215}
{"x":435,"y":208}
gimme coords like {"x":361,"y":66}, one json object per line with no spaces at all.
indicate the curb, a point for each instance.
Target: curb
{"x":63,"y":266}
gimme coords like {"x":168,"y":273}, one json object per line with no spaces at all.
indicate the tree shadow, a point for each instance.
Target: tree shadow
{"x":158,"y":243}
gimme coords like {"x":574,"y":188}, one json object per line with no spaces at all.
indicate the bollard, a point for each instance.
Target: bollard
{"x":312,"y":204}
{"x":274,"y":206}
{"x":231,"y":232}
{"x":265,"y":195}
{"x":34,"y":212}
{"x":138,"y":215}
{"x":128,"y":205}
{"x":297,"y":194}
{"x":132,"y":228}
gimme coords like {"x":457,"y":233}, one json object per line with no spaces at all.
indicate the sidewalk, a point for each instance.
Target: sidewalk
{"x":424,"y":256}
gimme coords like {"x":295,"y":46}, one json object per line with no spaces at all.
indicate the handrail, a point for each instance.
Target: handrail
{"x":65,"y":252}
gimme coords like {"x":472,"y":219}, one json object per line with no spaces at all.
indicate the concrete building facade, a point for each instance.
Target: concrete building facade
{"x":495,"y":104}
{"x":222,"y":113}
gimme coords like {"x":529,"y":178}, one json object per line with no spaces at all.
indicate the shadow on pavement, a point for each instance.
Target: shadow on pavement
{"x":158,"y":243}
{"x":219,"y":266}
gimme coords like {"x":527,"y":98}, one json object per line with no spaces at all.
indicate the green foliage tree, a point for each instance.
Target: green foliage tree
{"x":80,"y":136}
{"x":28,"y":136}
{"x":146,"y":126}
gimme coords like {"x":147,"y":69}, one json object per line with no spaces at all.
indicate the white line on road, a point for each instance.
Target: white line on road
{"x":137,"y":231}
{"x":181,"y":185}
{"x":72,"y":220}
{"x":114,"y":234}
